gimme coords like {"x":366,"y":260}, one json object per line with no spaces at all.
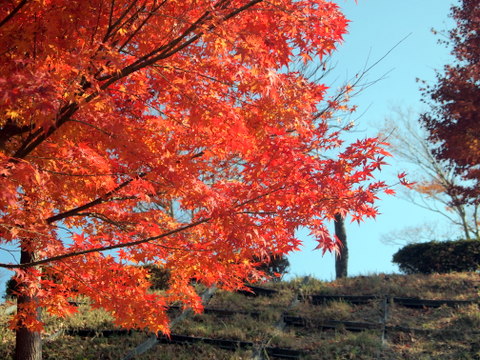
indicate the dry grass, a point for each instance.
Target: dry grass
{"x":443,"y":333}
{"x":454,"y":286}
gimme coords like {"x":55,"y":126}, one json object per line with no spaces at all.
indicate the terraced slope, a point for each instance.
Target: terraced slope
{"x":374,"y":317}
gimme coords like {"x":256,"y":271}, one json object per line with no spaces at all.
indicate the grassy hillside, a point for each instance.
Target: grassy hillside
{"x":366,"y":317}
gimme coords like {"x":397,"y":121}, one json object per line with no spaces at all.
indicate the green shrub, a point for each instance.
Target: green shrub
{"x":439,"y":257}
{"x":275,"y":267}
{"x":10,"y":288}
{"x":159,"y":277}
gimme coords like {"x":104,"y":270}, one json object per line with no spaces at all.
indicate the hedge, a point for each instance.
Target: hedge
{"x":439,"y":257}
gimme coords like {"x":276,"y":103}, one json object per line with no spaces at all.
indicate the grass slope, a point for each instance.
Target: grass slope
{"x":445,"y":332}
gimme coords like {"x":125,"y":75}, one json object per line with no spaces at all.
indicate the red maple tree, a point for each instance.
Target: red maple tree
{"x":169,"y":133}
{"x":454,"y":121}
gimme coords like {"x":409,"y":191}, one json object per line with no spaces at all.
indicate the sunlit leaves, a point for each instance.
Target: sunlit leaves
{"x":167,"y":132}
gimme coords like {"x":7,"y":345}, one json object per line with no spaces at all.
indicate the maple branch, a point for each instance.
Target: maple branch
{"x":150,"y":14}
{"x":103,"y":198}
{"x":134,"y":33}
{"x":111,"y":27}
{"x":93,"y":126}
{"x":66,"y":112}
{"x":196,"y":73}
{"x":132,"y":243}
{"x":110,"y":18}
{"x":12,"y":253}
{"x":73,"y":275}
{"x":121,"y":225}
{"x":9,"y":130}
{"x":80,"y":175}
{"x":163,"y":52}
{"x":242,"y":8}
{"x":14,"y":11}
{"x":39,"y":136}
{"x":171,"y":48}
{"x":148,"y":59}
{"x":95,"y":29}
{"x":95,"y":202}
{"x":133,"y":17}
{"x":22,"y":228}
{"x":105,"y":248}
{"x":356,"y":82}
{"x":260,"y":196}
{"x":260,"y":213}
{"x":181,"y":249}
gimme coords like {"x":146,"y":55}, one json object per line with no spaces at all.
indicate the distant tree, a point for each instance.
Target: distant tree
{"x":421,"y":232}
{"x":453,"y":121}
{"x":437,"y":182}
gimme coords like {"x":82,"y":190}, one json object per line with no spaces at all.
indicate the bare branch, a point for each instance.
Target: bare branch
{"x":437,"y":184}
{"x":13,"y":12}
{"x":93,"y":126}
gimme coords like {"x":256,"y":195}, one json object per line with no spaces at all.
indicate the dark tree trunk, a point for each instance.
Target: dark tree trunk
{"x":28,"y":344}
{"x":341,"y":260}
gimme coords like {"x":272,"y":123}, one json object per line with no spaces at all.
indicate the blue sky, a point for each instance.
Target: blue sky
{"x":376,"y":27}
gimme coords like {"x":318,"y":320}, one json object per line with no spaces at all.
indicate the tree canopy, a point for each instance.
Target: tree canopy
{"x":453,"y":121}
{"x":165,"y":132}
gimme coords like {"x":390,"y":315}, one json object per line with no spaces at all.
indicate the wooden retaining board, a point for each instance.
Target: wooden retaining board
{"x":230,"y":345}
{"x":102,"y":333}
{"x":331,"y":324}
{"x":220,"y":312}
{"x":352,"y":299}
{"x":254,"y":291}
{"x":226,"y":344}
{"x":427,"y":332}
{"x":425,"y":303}
{"x":407,"y":302}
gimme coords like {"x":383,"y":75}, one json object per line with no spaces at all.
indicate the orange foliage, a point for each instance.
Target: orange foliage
{"x":117,"y":116}
{"x":429,"y":188}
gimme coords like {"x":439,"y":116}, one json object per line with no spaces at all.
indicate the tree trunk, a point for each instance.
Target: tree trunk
{"x":28,"y":344}
{"x":341,"y":260}
{"x":463,"y":217}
